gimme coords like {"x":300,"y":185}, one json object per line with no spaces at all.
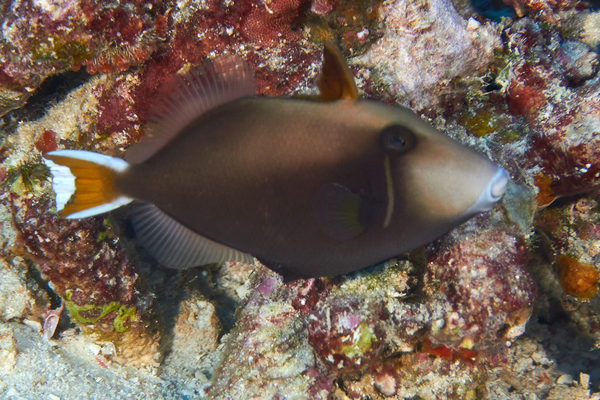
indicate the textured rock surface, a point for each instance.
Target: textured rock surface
{"x":426,"y":44}
{"x":8,"y":351}
{"x":16,"y":300}
{"x":195,"y":335}
{"x":42,"y":38}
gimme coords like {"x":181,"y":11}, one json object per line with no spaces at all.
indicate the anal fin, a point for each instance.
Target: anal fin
{"x":176,"y":246}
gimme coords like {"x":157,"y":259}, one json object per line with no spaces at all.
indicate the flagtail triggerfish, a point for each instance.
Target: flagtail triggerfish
{"x":309,"y":185}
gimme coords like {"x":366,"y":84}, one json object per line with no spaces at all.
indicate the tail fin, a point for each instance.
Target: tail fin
{"x":84,"y":182}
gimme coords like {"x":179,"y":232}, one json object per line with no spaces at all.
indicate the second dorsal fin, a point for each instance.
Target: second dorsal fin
{"x":185,"y":97}
{"x":337,"y":81}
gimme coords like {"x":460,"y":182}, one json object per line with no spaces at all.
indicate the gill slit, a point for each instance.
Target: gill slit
{"x":390,"y":191}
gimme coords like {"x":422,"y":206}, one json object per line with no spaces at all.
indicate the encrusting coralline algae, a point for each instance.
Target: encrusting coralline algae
{"x":494,"y":309}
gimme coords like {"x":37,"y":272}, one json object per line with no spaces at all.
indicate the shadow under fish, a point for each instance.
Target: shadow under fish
{"x":310,"y":186}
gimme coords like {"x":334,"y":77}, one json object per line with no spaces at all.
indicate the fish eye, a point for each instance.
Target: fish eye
{"x":397,"y":140}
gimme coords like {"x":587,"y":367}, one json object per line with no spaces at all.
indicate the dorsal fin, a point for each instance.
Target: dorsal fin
{"x":184,"y":97}
{"x":174,"y":245}
{"x":337,"y":81}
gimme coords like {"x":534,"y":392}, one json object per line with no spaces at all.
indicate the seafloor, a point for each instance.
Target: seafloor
{"x":505,"y":306}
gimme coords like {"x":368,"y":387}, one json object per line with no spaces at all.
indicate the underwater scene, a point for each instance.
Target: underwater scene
{"x":300,"y":199}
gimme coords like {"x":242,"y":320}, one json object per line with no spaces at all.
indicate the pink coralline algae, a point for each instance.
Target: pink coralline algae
{"x":42,"y":38}
{"x":347,"y":335}
{"x":271,"y":21}
{"x":482,"y":272}
{"x":425,"y":45}
{"x":85,"y":264}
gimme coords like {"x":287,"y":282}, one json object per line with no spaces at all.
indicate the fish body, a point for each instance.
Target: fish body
{"x":311,"y":188}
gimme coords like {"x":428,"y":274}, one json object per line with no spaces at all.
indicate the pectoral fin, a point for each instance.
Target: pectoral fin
{"x":341,"y":213}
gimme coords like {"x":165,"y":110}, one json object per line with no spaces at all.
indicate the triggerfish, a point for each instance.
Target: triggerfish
{"x":309,"y":185}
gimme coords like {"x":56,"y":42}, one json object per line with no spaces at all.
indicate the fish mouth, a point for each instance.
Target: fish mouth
{"x":498,"y":184}
{"x":492,"y":193}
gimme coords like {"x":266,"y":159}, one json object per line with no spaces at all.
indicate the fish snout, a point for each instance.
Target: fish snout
{"x":498,"y":184}
{"x":492,"y":193}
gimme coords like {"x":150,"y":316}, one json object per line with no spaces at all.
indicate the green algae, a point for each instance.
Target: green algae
{"x":345,"y":23}
{"x":107,"y":233}
{"x":364,"y":343}
{"x":60,"y":48}
{"x":27,"y":174}
{"x":118,"y":323}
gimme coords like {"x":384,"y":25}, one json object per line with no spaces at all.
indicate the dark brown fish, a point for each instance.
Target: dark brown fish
{"x":309,"y":186}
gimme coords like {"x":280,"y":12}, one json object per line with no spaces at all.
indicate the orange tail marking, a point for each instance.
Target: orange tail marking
{"x":94,"y":184}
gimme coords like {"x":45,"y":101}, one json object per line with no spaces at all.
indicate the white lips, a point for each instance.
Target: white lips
{"x":492,"y":193}
{"x":498,"y":184}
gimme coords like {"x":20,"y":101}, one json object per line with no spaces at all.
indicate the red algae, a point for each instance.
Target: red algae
{"x":269,"y":22}
{"x":544,"y":10}
{"x":524,"y":100}
{"x":46,"y":141}
{"x":437,"y":351}
{"x":450,"y":354}
{"x":345,"y":335}
{"x":578,"y":279}
{"x":85,"y":265}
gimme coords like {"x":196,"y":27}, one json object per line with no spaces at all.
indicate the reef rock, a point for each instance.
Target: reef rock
{"x":425,"y":45}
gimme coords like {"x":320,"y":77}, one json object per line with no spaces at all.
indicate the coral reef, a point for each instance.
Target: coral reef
{"x":357,"y":325}
{"x":481,"y":270}
{"x":40,"y":39}
{"x":268,"y":355}
{"x":425,"y":45}
{"x":506,"y":306}
{"x":195,"y":334}
{"x":87,"y":268}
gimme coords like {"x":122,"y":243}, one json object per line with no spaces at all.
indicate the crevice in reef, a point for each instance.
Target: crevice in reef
{"x":51,"y":91}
